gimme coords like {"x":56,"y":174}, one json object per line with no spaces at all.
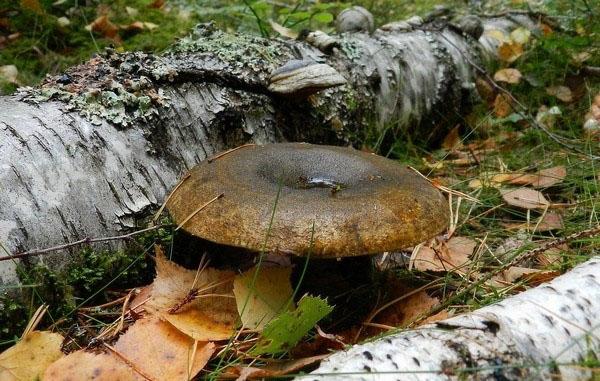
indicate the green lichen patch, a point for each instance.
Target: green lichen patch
{"x":233,"y":48}
{"x":120,"y":88}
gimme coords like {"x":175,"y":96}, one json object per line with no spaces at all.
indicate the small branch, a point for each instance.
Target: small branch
{"x":84,"y":241}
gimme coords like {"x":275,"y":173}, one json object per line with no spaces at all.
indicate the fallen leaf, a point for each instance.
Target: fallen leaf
{"x":524,"y":198}
{"x":162,"y":352}
{"x":533,"y":277}
{"x":63,"y":22}
{"x":82,"y":365}
{"x":261,"y":294}
{"x":502,"y":106}
{"x":407,"y":310}
{"x":549,"y":177}
{"x":520,"y":35}
{"x":512,"y":76}
{"x":157,"y":4}
{"x":274,"y":369}
{"x":447,"y":256}
{"x":547,"y":222}
{"x":9,"y":74}
{"x":452,"y":141}
{"x":286,"y":330}
{"x":485,"y":90}
{"x":32,"y":5}
{"x":547,"y":116}
{"x":29,"y":358}
{"x":546,"y":29}
{"x":498,"y":35}
{"x":103,"y":26}
{"x":210,"y":313}
{"x":283,"y":31}
{"x":510,"y":51}
{"x":562,"y":93}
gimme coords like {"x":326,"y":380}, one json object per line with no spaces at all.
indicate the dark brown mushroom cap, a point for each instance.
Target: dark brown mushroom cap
{"x":359,"y":203}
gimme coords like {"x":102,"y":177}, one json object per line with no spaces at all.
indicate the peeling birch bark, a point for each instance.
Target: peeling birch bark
{"x":95,"y":151}
{"x":530,"y":336}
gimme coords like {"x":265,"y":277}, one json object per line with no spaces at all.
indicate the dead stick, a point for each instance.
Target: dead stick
{"x":83,"y":241}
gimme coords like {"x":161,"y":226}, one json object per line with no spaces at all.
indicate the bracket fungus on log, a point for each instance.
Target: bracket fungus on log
{"x":304,"y":77}
{"x":358,"y":203}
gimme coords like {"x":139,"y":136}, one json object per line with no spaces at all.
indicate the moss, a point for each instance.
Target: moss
{"x":85,"y":280}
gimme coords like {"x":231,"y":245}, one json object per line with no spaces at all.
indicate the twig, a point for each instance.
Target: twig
{"x":198,"y":210}
{"x":83,"y":241}
{"x":210,"y":160}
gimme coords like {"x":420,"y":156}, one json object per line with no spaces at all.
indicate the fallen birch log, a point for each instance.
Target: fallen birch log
{"x":94,"y":152}
{"x":540,"y":334}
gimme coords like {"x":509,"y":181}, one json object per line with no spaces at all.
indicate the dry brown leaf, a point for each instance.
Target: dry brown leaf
{"x":83,"y":366}
{"x":562,"y":93}
{"x":543,"y":179}
{"x":447,"y":256}
{"x":210,"y":316}
{"x":502,"y":106}
{"x":510,"y":51}
{"x":407,"y":310}
{"x":547,"y":222}
{"x":32,"y":5}
{"x":485,"y":90}
{"x":275,"y":369}
{"x":103,"y":26}
{"x":546,"y":29}
{"x":162,"y":352}
{"x":452,"y":141}
{"x":532,"y":277}
{"x":524,"y":198}
{"x":29,"y":358}
{"x":512,"y":76}
{"x":262,"y":296}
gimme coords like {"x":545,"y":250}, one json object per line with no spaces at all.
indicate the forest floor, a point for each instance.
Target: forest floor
{"x":520,"y":170}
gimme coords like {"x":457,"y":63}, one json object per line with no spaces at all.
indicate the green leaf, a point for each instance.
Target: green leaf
{"x":286,"y":330}
{"x":323,"y":17}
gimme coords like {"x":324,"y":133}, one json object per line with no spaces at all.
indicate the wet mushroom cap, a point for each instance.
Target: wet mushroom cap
{"x":359,"y":203}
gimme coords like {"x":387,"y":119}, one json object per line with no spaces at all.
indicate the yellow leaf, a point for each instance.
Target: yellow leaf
{"x":29,"y":358}
{"x":160,"y":351}
{"x":512,"y":76}
{"x":200,"y":304}
{"x":81,"y":365}
{"x":498,"y":35}
{"x":510,"y":51}
{"x":266,"y":298}
{"x":520,"y":35}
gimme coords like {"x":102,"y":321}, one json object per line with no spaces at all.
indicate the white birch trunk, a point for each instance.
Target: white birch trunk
{"x":534,"y":335}
{"x":72,"y":168}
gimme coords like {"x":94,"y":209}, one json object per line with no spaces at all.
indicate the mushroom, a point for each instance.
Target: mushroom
{"x":332,"y":201}
{"x":354,"y":19}
{"x":304,"y":77}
